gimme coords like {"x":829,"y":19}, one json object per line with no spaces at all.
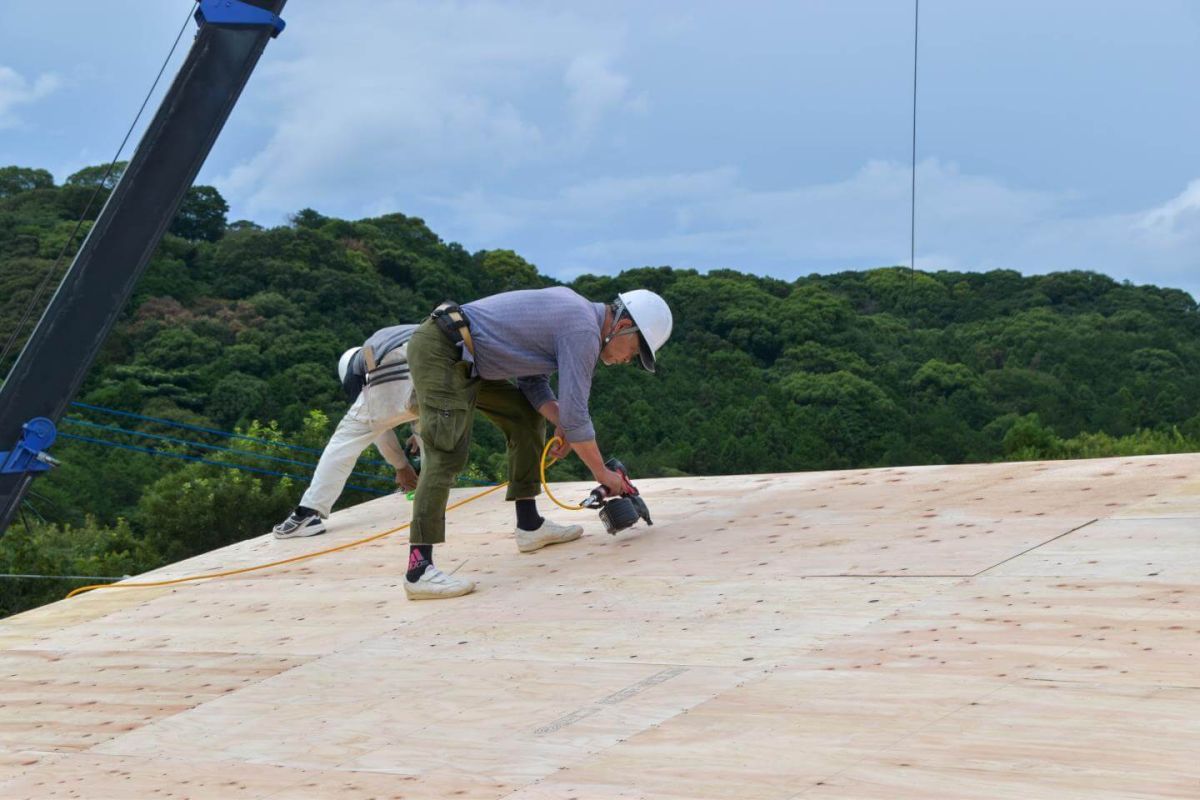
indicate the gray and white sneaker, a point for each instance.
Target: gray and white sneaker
{"x":435,"y":585}
{"x":549,"y":533}
{"x":298,"y":524}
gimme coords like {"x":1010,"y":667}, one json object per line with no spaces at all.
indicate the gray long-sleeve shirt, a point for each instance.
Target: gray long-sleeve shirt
{"x":381,"y":342}
{"x":531,"y":333}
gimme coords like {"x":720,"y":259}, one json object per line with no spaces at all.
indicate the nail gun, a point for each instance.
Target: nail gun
{"x":623,"y":511}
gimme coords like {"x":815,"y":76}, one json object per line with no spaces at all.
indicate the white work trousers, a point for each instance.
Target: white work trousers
{"x":371,"y":418}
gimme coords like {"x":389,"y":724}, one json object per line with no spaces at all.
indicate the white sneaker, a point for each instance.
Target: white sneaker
{"x":548,"y":533}
{"x":435,"y":584}
{"x":297,"y":525}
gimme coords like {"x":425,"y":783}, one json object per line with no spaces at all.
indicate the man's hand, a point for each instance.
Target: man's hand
{"x":406,"y":478}
{"x":613,"y":482}
{"x":563,"y":448}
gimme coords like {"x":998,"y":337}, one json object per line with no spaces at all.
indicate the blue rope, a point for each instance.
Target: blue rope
{"x":197,"y":459}
{"x":214,"y":431}
{"x":230,"y":435}
{"x":205,"y":446}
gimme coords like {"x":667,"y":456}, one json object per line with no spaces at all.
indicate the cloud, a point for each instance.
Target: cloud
{"x":715,"y":218}
{"x":1174,"y":224}
{"x":429,"y":97}
{"x":16,"y":90}
{"x":1159,"y":245}
{"x":527,"y":126}
{"x":595,"y":89}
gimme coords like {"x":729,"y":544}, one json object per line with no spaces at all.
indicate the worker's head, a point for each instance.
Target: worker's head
{"x":641,"y":324}
{"x":351,"y":383}
{"x":344,"y":362}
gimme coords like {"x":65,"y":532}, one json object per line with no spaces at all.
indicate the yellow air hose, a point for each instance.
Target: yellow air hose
{"x":306,"y":556}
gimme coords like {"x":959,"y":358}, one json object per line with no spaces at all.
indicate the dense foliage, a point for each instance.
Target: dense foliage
{"x":236,"y":326}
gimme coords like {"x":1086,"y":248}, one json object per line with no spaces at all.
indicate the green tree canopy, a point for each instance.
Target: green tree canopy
{"x":14,"y":180}
{"x":101,"y":175}
{"x":201,"y":215}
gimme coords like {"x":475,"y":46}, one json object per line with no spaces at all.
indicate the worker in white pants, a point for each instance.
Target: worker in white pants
{"x":376,"y":376}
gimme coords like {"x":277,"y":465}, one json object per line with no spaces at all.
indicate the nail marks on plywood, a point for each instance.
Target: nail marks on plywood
{"x":913,"y":632}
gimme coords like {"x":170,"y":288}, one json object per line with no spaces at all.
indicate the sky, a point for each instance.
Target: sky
{"x":768,"y":137}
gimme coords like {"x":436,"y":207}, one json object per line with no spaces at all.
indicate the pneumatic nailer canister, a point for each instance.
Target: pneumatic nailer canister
{"x":620,"y":512}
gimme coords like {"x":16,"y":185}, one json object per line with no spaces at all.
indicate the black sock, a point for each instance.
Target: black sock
{"x":527,"y":517}
{"x":420,"y":558}
{"x":305,"y":511}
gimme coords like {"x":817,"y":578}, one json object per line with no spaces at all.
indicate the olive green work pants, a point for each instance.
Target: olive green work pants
{"x":448,"y":396}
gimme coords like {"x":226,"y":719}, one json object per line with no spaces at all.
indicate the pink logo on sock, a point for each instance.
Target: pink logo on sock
{"x":414,"y":559}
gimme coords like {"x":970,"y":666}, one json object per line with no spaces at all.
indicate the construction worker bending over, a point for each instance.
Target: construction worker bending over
{"x":463,"y":359}
{"x":375,"y":378}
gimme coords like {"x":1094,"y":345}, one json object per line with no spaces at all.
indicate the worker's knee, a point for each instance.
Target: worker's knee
{"x":536,"y":423}
{"x":529,"y":431}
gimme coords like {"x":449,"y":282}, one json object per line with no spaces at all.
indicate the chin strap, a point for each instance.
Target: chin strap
{"x":619,"y":313}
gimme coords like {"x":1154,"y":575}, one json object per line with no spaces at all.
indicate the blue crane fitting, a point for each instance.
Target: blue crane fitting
{"x":237,"y":13}
{"x":30,"y":453}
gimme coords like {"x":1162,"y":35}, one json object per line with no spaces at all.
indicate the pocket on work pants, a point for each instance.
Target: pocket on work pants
{"x":444,"y":428}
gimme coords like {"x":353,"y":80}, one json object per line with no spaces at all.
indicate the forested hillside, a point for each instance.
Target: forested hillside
{"x":236,"y":327}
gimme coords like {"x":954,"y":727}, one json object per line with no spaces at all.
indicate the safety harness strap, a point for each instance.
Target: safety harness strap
{"x":388,"y":374}
{"x":453,"y":323}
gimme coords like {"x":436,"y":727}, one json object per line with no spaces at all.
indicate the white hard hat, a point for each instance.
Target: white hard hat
{"x":652,"y":316}
{"x":344,"y":362}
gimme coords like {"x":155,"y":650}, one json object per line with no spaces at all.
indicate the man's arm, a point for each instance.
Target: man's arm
{"x":550,"y":411}
{"x":577,"y":355}
{"x":536,"y":389}
{"x":389,"y":446}
{"x":588,"y":452}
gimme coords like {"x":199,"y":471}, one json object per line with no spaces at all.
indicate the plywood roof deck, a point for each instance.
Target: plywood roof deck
{"x":991,"y":631}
